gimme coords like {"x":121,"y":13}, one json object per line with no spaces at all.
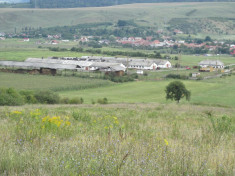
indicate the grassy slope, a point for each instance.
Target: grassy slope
{"x":117,"y":140}
{"x":216,"y":92}
{"x":145,"y":14}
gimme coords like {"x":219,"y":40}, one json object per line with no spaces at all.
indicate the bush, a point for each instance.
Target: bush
{"x":47,"y":97}
{"x":10,"y":97}
{"x":102,"y":101}
{"x":176,"y":76}
{"x":64,"y":100}
{"x":76,"y":101}
{"x":28,"y":96}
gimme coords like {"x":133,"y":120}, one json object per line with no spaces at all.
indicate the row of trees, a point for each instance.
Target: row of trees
{"x":122,"y":28}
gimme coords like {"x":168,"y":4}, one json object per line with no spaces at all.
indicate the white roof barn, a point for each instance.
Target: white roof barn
{"x":142,"y":65}
{"x":211,"y":63}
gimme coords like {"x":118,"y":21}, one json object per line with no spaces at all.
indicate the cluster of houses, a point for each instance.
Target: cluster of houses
{"x":85,"y":63}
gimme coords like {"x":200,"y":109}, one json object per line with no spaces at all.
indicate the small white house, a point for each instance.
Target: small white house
{"x":163,"y":64}
{"x":140,"y":72}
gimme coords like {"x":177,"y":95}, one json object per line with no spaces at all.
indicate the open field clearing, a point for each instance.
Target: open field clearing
{"x":143,"y":14}
{"x":22,"y":54}
{"x":219,"y":92}
{"x":43,"y":82}
{"x":138,"y":139}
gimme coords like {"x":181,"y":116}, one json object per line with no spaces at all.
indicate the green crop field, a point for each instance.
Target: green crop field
{"x":144,"y":14}
{"x":124,"y":139}
{"x":54,"y":83}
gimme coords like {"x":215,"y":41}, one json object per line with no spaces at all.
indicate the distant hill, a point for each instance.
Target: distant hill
{"x":100,"y":3}
{"x":192,"y":18}
{"x":14,"y":1}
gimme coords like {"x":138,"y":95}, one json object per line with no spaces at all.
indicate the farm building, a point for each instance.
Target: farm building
{"x":82,"y":65}
{"x":145,"y":64}
{"x":211,"y":65}
{"x":34,"y":67}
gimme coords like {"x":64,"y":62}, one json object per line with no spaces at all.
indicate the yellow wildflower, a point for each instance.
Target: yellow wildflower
{"x":166,"y":142}
{"x":67,"y":123}
{"x":16,"y":112}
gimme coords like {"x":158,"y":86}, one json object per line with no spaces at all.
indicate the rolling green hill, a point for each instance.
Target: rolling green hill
{"x":212,"y":18}
{"x":97,"y":3}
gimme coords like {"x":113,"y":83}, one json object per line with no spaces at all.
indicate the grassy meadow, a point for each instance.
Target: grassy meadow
{"x":121,"y":139}
{"x":214,"y":92}
{"x":217,"y":92}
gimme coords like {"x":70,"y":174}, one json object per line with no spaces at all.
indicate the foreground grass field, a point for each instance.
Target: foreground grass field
{"x":138,"y":139}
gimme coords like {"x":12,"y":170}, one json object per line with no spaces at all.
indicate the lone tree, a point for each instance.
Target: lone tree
{"x":176,"y":90}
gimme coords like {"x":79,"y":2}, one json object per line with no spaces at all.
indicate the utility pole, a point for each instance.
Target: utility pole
{"x":178,"y":61}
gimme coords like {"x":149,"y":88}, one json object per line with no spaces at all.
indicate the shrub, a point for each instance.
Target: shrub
{"x":47,"y":97}
{"x":81,"y":116}
{"x":176,"y":76}
{"x":76,"y":101}
{"x":93,"y":101}
{"x":28,"y":96}
{"x":102,"y":101}
{"x":64,"y":100}
{"x":10,"y":97}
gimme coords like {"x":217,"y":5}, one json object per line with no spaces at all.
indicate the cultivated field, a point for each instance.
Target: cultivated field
{"x":144,"y":14}
{"x":54,"y":83}
{"x":121,"y":139}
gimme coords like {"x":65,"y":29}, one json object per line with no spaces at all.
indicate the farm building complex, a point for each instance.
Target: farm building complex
{"x":85,"y":63}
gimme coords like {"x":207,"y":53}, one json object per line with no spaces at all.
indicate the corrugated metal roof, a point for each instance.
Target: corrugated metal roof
{"x":37,"y":65}
{"x":59,"y":61}
{"x":211,"y":62}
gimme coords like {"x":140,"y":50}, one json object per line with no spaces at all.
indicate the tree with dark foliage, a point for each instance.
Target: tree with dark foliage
{"x":176,"y":90}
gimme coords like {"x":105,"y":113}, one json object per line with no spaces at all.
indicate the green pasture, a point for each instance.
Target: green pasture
{"x":43,"y":82}
{"x":221,"y":93}
{"x":22,"y":54}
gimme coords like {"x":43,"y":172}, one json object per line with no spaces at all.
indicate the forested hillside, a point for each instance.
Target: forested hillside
{"x":99,"y":3}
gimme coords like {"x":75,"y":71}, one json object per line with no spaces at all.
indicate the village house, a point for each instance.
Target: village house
{"x":26,"y":39}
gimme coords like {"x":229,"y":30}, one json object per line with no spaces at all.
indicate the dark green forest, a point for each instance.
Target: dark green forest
{"x":99,"y":3}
